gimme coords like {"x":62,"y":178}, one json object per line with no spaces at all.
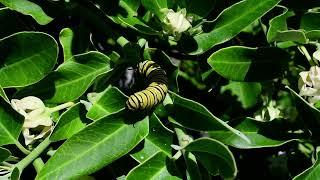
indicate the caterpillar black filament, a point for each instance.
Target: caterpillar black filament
{"x":156,"y":90}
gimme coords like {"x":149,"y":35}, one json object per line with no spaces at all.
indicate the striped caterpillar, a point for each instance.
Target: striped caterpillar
{"x":156,"y":90}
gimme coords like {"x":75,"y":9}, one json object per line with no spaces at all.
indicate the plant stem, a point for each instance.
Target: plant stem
{"x":33,"y":155}
{"x":13,"y":159}
{"x":122,"y":41}
{"x":5,"y":168}
{"x":307,"y":55}
{"x":21,"y":148}
{"x":177,"y":155}
{"x":38,"y":164}
{"x":61,"y":106}
{"x":7,"y":164}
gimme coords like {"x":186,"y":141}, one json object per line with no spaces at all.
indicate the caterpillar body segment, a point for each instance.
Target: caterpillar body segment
{"x":156,"y":90}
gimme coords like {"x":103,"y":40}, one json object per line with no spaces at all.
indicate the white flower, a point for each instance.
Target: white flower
{"x":268,"y":113}
{"x":176,"y":22}
{"x":309,"y":84}
{"x":37,"y":117}
{"x":316,"y":55}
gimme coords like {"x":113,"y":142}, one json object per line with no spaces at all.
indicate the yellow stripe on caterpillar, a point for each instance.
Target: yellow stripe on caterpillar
{"x":156,"y":90}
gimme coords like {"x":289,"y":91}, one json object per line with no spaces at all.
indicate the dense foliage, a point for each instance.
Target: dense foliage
{"x":243,"y":80}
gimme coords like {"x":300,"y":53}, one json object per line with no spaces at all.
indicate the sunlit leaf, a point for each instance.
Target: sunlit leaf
{"x":159,"y":139}
{"x":261,"y":134}
{"x":215,"y":157}
{"x":278,"y":30}
{"x":28,"y":8}
{"x":71,"y":79}
{"x":70,"y":122}
{"x":96,"y":146}
{"x":239,"y":63}
{"x":10,"y":124}
{"x":24,"y":61}
{"x":111,"y":101}
{"x":156,"y":167}
{"x":66,"y":39}
{"x":247,"y":92}
{"x":230,"y":22}
{"x":186,"y":112}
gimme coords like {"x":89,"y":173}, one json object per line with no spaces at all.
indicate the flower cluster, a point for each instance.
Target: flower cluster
{"x":268,"y":113}
{"x":176,"y":22}
{"x":36,"y":116}
{"x":309,"y":84}
{"x":38,"y":120}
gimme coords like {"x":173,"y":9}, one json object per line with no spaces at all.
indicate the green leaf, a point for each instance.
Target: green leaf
{"x":313,"y":35}
{"x":70,"y":122}
{"x":259,"y":133}
{"x":96,"y":146}
{"x":66,"y":37}
{"x":310,"y":21}
{"x":312,"y":172}
{"x":71,"y":79}
{"x":308,"y":108}
{"x":3,"y":95}
{"x":10,"y":124}
{"x":111,"y":101}
{"x":4,"y":154}
{"x":159,"y":139}
{"x":155,"y":6}
{"x":15,"y":174}
{"x":215,"y":157}
{"x":28,"y":8}
{"x":131,"y":6}
{"x":24,"y":61}
{"x":136,"y":24}
{"x":157,"y":167}
{"x":278,"y":29}
{"x":186,"y":112}
{"x":247,"y":92}
{"x":240,"y":63}
{"x":7,"y":16}
{"x":290,"y":35}
{"x":231,"y":21}
{"x":193,"y":171}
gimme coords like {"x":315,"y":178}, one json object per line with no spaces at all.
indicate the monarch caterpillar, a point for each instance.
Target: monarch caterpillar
{"x":156,"y":90}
